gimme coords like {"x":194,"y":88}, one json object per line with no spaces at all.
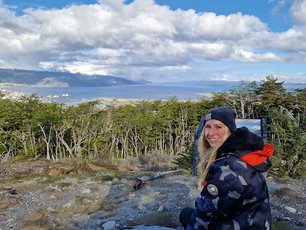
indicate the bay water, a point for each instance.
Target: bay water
{"x":182,"y":91}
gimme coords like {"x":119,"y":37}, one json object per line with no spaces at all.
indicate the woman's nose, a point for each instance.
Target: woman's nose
{"x":211,"y":131}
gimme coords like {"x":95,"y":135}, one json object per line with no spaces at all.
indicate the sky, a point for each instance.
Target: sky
{"x":158,"y":41}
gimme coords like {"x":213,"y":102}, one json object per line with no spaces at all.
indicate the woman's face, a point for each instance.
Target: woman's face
{"x":215,"y":132}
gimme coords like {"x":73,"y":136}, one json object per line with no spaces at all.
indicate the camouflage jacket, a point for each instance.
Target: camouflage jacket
{"x":235,"y":194}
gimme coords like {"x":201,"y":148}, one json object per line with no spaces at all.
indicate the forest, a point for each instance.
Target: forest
{"x":30,"y":128}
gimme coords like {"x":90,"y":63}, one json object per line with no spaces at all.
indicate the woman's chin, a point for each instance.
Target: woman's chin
{"x":214,"y":144}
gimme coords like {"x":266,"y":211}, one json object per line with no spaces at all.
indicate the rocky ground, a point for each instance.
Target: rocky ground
{"x":39,"y":195}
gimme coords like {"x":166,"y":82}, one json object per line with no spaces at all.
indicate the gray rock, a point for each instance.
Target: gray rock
{"x":290,"y":209}
{"x":152,"y":228}
{"x":109,"y":225}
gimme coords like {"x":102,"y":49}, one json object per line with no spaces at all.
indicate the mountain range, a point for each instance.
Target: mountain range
{"x":14,"y":77}
{"x":60,"y":79}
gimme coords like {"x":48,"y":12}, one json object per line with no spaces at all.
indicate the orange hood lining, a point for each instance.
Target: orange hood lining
{"x":258,"y":157}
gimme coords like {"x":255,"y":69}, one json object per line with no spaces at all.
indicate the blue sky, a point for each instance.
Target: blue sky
{"x":159,"y":41}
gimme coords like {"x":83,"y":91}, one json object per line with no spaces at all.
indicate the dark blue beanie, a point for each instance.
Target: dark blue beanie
{"x":224,"y":114}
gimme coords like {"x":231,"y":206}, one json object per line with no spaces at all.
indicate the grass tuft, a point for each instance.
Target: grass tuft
{"x":281,"y":226}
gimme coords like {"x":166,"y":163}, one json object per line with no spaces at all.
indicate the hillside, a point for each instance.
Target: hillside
{"x":39,"y":194}
{"x":60,"y":79}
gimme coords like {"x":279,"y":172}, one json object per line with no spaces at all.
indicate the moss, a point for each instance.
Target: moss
{"x":19,"y":158}
{"x":63,"y":184}
{"x":105,"y":178}
{"x":281,"y":226}
{"x":51,"y":179}
{"x":281,"y":192}
{"x":165,"y":219}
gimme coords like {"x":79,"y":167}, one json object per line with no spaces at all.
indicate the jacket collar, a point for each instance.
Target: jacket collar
{"x":249,"y":147}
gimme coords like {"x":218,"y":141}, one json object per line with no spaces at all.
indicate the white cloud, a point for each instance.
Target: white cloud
{"x":141,"y":39}
{"x":51,"y":82}
{"x":280,"y":4}
{"x":247,"y":56}
{"x":298,"y":11}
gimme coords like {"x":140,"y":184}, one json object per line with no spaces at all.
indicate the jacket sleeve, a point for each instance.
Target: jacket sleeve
{"x":220,"y":196}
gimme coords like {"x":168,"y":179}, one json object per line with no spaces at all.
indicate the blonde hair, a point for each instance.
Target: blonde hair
{"x":207,"y":156}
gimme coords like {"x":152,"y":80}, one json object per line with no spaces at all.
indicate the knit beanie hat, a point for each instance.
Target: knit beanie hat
{"x":224,"y":114}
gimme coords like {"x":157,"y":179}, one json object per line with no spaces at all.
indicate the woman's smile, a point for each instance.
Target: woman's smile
{"x":216,"y":133}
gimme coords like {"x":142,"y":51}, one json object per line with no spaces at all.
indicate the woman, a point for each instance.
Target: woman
{"x":234,"y":193}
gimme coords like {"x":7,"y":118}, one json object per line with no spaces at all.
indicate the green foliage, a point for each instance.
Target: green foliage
{"x":271,"y":93}
{"x":104,"y":178}
{"x":30,"y":128}
{"x":21,"y":157}
{"x":289,"y":137}
{"x":184,"y":160}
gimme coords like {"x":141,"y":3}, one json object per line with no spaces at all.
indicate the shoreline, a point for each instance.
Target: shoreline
{"x":65,"y":98}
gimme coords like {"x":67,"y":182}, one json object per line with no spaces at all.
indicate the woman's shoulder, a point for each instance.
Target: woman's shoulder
{"x":231,"y":161}
{"x":228,"y":172}
{"x":232,"y":171}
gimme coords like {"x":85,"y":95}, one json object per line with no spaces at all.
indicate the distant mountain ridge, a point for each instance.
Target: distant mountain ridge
{"x":291,"y":86}
{"x":60,"y":79}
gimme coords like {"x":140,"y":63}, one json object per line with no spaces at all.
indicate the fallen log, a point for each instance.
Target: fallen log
{"x":140,"y":181}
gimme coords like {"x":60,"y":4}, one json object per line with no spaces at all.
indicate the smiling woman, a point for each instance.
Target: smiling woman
{"x":234,"y":193}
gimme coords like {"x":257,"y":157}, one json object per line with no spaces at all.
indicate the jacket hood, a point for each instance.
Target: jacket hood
{"x":258,"y":157}
{"x":249,"y":147}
